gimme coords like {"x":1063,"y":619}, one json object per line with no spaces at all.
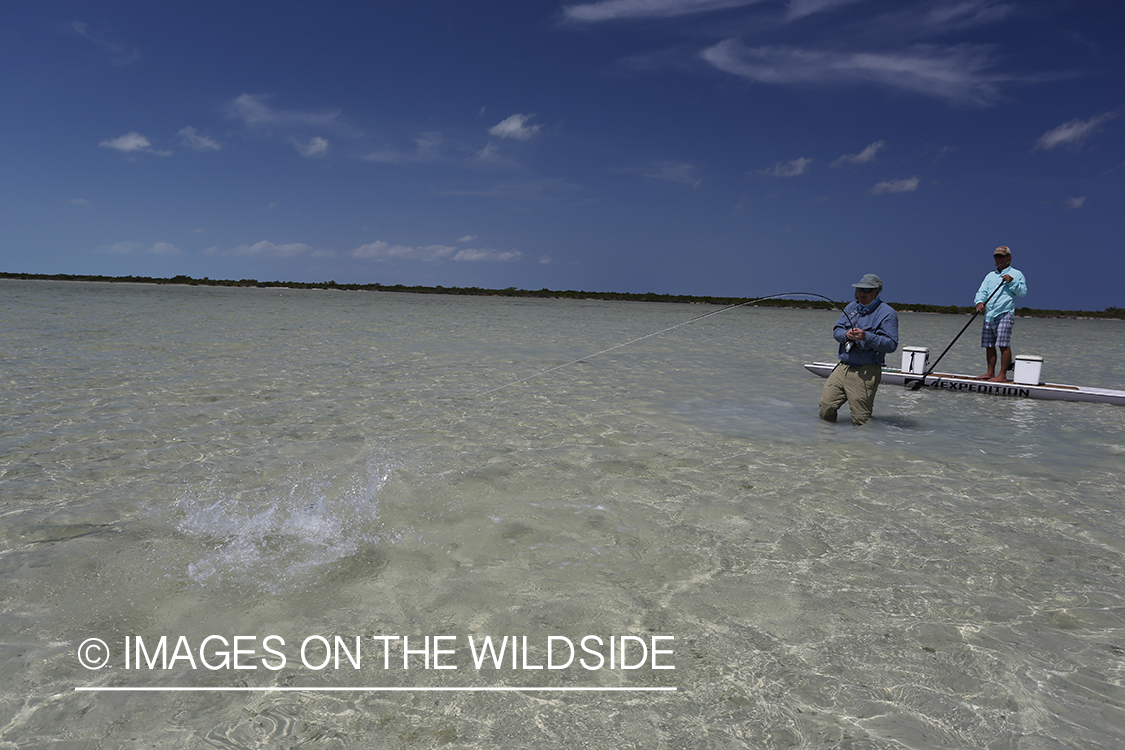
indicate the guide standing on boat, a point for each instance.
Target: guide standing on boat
{"x":1000,"y":313}
{"x":867,"y":331}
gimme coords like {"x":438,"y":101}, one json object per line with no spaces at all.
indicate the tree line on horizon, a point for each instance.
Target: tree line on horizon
{"x":1109,"y":312}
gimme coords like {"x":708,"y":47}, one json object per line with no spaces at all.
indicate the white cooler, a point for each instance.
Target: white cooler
{"x":1028,"y":369}
{"x":915,"y":359}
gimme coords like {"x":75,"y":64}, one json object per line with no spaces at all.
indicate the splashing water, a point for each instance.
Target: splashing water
{"x":274,"y":536}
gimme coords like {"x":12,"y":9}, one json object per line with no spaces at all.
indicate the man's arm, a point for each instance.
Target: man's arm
{"x":884,"y":337}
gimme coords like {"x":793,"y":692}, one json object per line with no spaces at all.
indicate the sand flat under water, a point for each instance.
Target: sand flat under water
{"x":304,"y":490}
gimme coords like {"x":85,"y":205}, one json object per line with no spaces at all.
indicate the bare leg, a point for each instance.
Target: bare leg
{"x":990,"y":358}
{"x":1005,"y":363}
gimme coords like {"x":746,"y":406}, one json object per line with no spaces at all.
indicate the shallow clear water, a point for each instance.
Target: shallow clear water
{"x":188,"y":462}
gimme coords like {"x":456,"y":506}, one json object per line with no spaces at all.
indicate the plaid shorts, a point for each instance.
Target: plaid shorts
{"x":997,"y":332}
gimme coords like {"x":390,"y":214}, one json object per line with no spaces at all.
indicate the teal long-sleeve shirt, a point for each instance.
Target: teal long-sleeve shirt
{"x":1005,"y":300}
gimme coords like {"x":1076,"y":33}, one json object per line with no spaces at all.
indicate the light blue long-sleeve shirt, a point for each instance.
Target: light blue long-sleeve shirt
{"x":1005,"y":300}
{"x":880,"y":334}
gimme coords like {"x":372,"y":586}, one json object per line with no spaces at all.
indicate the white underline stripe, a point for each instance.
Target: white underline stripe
{"x":369,"y":689}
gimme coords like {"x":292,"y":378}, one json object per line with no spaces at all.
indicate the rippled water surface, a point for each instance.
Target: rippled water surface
{"x":193,"y":462}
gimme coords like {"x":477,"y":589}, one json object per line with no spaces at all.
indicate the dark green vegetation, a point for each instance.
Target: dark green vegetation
{"x":1027,"y":312}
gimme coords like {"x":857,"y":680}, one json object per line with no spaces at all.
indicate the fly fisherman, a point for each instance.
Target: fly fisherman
{"x":867,"y":331}
{"x":1000,"y":313}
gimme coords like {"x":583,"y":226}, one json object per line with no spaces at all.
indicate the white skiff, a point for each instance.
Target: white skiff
{"x":950,"y":382}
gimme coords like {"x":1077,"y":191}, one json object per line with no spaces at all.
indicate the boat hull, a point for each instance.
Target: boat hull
{"x":952,"y":382}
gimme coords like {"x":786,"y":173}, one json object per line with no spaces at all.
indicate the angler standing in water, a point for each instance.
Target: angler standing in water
{"x":867,"y":331}
{"x":1000,"y":313}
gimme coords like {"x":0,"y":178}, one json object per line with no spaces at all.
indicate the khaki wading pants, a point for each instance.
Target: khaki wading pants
{"x":856,"y":385}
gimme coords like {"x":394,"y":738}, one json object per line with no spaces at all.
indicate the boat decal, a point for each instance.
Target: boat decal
{"x":994,"y":389}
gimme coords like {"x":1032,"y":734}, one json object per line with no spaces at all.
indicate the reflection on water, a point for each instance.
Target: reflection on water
{"x":190,"y":462}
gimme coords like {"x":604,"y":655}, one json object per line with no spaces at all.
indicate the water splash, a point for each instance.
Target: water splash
{"x":276,"y":534}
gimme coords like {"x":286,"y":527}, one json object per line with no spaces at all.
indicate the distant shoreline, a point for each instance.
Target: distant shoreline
{"x":1110,"y":313}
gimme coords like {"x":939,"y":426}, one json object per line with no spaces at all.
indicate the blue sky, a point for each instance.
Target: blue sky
{"x":713,"y":147}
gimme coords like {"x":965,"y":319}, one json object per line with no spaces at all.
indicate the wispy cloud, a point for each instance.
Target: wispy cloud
{"x":1076,"y":202}
{"x":1073,"y":133}
{"x":863,"y":157}
{"x":516,"y":127}
{"x":908,"y":185}
{"x":669,"y":171}
{"x":316,"y":146}
{"x":491,"y":155}
{"x":254,"y":111}
{"x":267,"y":249}
{"x":304,"y":130}
{"x":384,"y":251}
{"x":528,"y":190}
{"x":678,"y":172}
{"x":80,"y":202}
{"x":966,"y":14}
{"x":427,"y":148}
{"x":958,"y":73}
{"x":139,"y":248}
{"x":131,"y":143}
{"x":189,"y":137}
{"x":613,"y":10}
{"x":475,"y":255}
{"x":794,"y":168}
{"x":120,"y":53}
{"x":380,"y":250}
{"x":801,"y":8}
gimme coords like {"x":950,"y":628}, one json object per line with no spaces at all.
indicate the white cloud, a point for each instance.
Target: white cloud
{"x":466,"y":238}
{"x":380,"y":250}
{"x":316,"y":146}
{"x":801,"y":8}
{"x":955,"y":73}
{"x":132,"y":142}
{"x":137,"y":248}
{"x":515,"y":127}
{"x":427,"y":148}
{"x":793,"y":168}
{"x":497,"y":256}
{"x":966,"y":14}
{"x":428,"y":253}
{"x":254,"y":112}
{"x":908,"y":185}
{"x":864,"y":156}
{"x":80,"y":202}
{"x":490,"y":153}
{"x":122,"y":248}
{"x":429,"y":145}
{"x":197,"y":141}
{"x":266,"y":249}
{"x":1075,"y":202}
{"x":670,"y":171}
{"x":1073,"y":132}
{"x":129,"y":142}
{"x":120,"y":52}
{"x":612,"y":10}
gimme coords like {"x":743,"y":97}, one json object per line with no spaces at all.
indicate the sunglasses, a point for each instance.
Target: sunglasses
{"x":863,"y":291}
